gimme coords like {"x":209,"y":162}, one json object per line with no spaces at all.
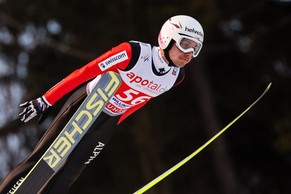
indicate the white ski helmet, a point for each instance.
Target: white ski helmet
{"x":180,"y":28}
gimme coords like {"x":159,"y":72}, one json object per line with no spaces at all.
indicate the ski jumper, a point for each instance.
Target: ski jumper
{"x":144,"y":74}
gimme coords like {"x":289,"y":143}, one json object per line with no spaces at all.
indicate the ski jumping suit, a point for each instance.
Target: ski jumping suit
{"x":144,"y":74}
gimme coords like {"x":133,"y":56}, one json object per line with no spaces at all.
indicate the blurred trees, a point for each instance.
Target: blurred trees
{"x":246,"y":47}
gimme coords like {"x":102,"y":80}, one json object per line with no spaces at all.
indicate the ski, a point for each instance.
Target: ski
{"x":185,"y":160}
{"x":70,"y":135}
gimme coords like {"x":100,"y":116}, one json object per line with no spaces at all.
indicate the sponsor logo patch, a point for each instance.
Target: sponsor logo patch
{"x":175,"y":70}
{"x":117,"y":58}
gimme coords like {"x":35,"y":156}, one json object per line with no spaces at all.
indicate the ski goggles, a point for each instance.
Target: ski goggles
{"x":187,"y":45}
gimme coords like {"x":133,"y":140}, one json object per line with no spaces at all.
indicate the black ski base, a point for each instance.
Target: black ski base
{"x":38,"y":177}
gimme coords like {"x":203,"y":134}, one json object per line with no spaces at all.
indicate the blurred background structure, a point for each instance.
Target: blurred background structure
{"x":247,"y":45}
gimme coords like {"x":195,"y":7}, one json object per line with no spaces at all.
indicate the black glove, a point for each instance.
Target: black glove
{"x":32,"y":108}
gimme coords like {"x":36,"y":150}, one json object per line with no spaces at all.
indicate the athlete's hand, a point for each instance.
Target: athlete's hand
{"x":32,"y":108}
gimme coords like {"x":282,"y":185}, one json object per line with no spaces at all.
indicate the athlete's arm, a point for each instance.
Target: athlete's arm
{"x":90,"y":71}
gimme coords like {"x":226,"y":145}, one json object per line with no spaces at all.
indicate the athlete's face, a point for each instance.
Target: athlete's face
{"x":179,"y":58}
